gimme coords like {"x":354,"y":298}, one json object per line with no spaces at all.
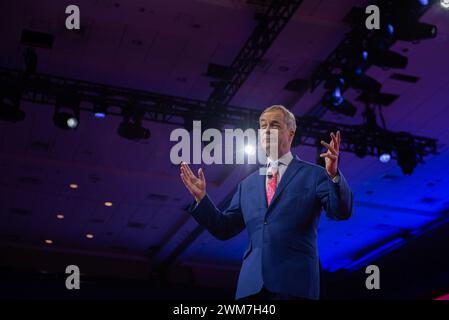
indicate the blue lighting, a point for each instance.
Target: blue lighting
{"x":338,"y":99}
{"x":390,"y":29}
{"x":100,"y":115}
{"x":374,"y":254}
{"x":385,"y":157}
{"x":358,"y":71}
{"x":424,"y":2}
{"x":365,"y":55}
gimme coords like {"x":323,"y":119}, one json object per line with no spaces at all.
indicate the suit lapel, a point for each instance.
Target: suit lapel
{"x":291,"y":171}
{"x":262,"y":190}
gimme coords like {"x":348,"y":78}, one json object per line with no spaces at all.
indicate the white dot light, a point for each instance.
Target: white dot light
{"x":72,"y":123}
{"x":384,"y":157}
{"x":250,"y":149}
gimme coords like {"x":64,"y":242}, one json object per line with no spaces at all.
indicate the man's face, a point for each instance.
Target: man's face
{"x":275,"y":120}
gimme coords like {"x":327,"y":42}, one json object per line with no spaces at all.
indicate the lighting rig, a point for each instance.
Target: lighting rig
{"x":137,"y":105}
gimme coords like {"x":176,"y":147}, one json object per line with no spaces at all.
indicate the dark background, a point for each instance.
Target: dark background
{"x":183,"y":56}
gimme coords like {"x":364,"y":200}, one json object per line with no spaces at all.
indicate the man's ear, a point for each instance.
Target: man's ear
{"x":292,"y":133}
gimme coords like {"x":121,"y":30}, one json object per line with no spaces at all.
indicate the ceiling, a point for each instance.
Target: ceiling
{"x":165,"y":47}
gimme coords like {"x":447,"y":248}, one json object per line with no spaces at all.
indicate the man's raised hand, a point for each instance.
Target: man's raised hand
{"x":196,"y":186}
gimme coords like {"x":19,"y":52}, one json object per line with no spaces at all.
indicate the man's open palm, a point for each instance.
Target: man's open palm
{"x":195,"y":185}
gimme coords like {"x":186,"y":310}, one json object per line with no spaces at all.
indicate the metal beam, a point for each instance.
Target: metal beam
{"x":269,"y":27}
{"x":44,"y":89}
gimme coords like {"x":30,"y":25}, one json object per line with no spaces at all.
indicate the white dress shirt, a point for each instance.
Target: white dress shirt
{"x":281,"y":164}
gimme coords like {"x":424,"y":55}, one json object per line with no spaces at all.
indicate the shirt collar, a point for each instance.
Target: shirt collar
{"x":285,"y":159}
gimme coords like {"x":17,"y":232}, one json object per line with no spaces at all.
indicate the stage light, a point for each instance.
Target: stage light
{"x":334,"y":101}
{"x":406,"y":156}
{"x":65,"y":120}
{"x":100,"y":115}
{"x":337,"y":98}
{"x":424,"y":2}
{"x":414,"y":30}
{"x":365,"y":55}
{"x":67,"y":111}
{"x":89,"y":236}
{"x":389,"y":59}
{"x":133,"y":131}
{"x":249,"y":149}
{"x":48,"y":241}
{"x":10,"y":95}
{"x":108,"y":204}
{"x":390,"y":28}
{"x":73,"y":186}
{"x":100,"y":111}
{"x":131,"y":126}
{"x":60,"y":216}
{"x":385,"y":157}
{"x":444,"y":4}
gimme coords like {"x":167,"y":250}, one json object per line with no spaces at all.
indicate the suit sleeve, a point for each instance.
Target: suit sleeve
{"x":336,"y":198}
{"x":222,"y":225}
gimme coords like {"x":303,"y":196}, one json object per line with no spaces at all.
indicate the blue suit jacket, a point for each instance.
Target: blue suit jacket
{"x":282,"y":252}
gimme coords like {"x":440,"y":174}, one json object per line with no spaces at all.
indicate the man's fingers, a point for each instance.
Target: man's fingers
{"x":201,"y":174}
{"x":331,"y":148}
{"x":328,"y":155}
{"x":193,"y":189}
{"x":187,"y":170}
{"x":338,"y":137}
{"x":335,"y":144}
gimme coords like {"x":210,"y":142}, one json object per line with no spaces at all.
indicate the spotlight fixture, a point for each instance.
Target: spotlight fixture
{"x":364,"y":83}
{"x":10,"y":95}
{"x":131,"y":128}
{"x":385,"y":157}
{"x":406,"y":154}
{"x":66,"y":120}
{"x":100,"y":110}
{"x":334,"y":101}
{"x":390,"y":29}
{"x":412,"y":30}
{"x":67,"y":111}
{"x":389,"y":59}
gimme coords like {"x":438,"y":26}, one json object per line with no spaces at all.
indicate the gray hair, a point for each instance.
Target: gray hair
{"x":289,"y":117}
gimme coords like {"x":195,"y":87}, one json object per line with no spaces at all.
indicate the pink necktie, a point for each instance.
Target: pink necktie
{"x":271,"y":185}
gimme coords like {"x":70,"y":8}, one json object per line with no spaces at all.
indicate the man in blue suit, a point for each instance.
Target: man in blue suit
{"x":280,"y":211}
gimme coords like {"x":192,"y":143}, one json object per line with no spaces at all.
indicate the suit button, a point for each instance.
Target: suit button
{"x":265,"y":222}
